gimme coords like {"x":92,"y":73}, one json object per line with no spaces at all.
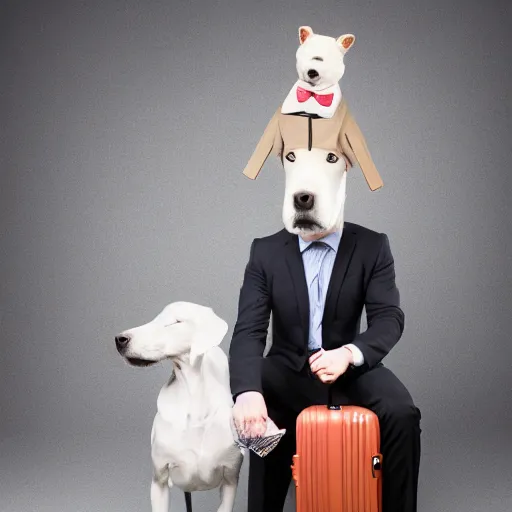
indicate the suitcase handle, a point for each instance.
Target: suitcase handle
{"x":330,"y":404}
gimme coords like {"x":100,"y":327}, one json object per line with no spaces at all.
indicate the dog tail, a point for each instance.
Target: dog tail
{"x":188,"y":501}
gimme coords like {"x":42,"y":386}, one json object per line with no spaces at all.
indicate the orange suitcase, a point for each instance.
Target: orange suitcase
{"x":338,"y":465}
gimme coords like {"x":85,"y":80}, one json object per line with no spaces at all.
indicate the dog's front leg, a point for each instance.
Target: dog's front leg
{"x":160,"y":490}
{"x":228,"y":488}
{"x":227,"y":496}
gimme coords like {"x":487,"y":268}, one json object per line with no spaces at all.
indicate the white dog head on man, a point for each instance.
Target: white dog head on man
{"x":180,"y":330}
{"x":320,"y":59}
{"x":315,"y":191}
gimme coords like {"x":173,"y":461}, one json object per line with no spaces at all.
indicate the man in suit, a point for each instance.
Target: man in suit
{"x":315,"y":281}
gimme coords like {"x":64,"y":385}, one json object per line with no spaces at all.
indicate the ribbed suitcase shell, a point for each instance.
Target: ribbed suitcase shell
{"x":337,"y":467}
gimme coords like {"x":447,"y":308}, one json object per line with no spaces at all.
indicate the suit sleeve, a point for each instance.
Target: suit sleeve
{"x":385,"y":318}
{"x":251,"y":328}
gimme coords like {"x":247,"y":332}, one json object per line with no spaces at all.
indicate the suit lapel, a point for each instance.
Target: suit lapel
{"x":298,"y":276}
{"x":341,"y":263}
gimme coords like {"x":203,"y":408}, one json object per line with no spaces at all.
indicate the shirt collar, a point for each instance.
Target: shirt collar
{"x":332,"y":240}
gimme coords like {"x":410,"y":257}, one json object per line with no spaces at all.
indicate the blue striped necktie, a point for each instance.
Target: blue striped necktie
{"x":317,"y":292}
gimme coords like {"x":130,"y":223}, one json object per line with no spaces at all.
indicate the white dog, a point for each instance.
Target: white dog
{"x":320,"y":64}
{"x":192,"y":445}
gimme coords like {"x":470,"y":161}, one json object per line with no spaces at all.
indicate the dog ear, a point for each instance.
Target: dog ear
{"x":346,"y":42}
{"x":209,"y":332}
{"x":304,"y":33}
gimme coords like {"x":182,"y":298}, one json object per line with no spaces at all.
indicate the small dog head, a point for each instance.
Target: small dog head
{"x":320,"y":59}
{"x":181,"y":329}
{"x":315,"y":191}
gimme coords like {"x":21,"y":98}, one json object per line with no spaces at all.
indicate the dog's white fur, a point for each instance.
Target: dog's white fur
{"x":330,"y":50}
{"x":312,"y":173}
{"x":324,"y":56}
{"x":192,"y":445}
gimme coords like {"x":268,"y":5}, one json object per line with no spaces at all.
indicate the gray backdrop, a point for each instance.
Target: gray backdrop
{"x":125,"y":129}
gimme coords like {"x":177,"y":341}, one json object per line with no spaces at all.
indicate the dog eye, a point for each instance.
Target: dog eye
{"x":290,"y":156}
{"x":318,"y":58}
{"x":332,"y":158}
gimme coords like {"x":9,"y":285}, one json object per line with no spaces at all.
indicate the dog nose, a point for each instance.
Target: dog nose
{"x":122,"y":340}
{"x":312,"y":73}
{"x":304,"y":201}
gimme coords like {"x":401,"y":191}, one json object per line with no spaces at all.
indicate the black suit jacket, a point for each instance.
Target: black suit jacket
{"x":274,"y":281}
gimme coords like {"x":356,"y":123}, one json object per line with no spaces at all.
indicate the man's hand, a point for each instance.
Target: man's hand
{"x":250,"y":414}
{"x":329,"y":365}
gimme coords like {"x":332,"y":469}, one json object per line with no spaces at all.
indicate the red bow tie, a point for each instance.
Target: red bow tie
{"x":323,"y":99}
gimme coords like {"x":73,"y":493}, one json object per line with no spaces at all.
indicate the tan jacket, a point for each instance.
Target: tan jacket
{"x":339,"y":134}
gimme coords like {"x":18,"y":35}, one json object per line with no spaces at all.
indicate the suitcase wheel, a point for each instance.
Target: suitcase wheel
{"x":295,"y":470}
{"x":376,"y":465}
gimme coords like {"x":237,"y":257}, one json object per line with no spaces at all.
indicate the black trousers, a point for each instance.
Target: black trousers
{"x":287,"y":393}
